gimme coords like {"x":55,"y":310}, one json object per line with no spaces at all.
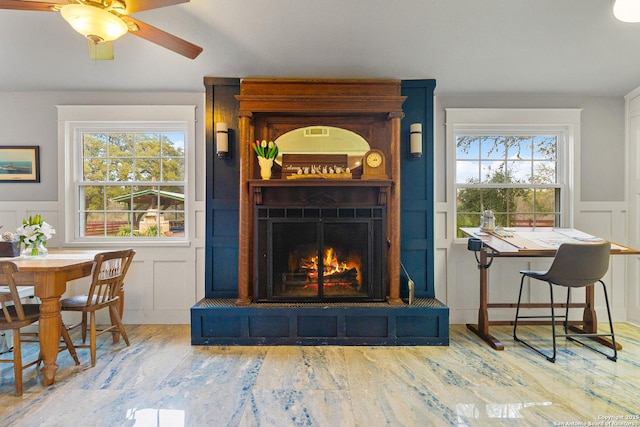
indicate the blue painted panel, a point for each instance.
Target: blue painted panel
{"x":414,"y":225}
{"x":225,"y":273}
{"x":417,"y":326}
{"x":222,"y":193}
{"x":224,"y":283}
{"x":417,"y":204}
{"x":367,"y":326}
{"x":213,"y":326}
{"x":318,"y":326}
{"x":225,"y":223}
{"x":415,"y":261}
{"x":269,"y":326}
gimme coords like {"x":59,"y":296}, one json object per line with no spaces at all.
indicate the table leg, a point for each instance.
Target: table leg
{"x":482,"y":329}
{"x":589,"y":316}
{"x":49,"y":334}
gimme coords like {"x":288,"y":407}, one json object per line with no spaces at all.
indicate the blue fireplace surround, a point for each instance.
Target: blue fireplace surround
{"x":217,"y":320}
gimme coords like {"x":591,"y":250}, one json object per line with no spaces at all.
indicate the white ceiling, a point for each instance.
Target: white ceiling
{"x":468,"y":46}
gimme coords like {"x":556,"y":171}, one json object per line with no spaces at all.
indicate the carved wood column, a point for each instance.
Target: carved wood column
{"x":393,"y":212}
{"x":245,"y":232}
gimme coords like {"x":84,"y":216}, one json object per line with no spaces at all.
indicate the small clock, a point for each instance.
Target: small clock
{"x":373,"y":165}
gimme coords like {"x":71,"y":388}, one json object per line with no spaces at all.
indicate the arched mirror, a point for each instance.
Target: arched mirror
{"x":323,"y":140}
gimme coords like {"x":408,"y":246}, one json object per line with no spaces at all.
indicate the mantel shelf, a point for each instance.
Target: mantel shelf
{"x":320,"y":183}
{"x":382,"y":186}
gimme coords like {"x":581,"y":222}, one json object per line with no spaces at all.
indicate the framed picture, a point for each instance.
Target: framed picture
{"x":19,"y":163}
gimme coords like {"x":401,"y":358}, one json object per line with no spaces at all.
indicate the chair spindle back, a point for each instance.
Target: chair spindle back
{"x":7,"y":272}
{"x":109,"y":271}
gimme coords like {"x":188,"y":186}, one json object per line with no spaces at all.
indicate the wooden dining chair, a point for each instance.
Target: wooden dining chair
{"x":16,"y":316}
{"x":106,"y":291}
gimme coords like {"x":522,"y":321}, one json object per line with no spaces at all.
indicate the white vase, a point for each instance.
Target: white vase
{"x":35,"y":250}
{"x":265,"y":167}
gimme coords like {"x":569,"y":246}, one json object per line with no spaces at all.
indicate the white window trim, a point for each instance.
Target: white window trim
{"x":74,"y":117}
{"x":566,"y":120}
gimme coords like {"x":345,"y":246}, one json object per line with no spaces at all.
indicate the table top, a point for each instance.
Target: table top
{"x":541,"y":241}
{"x":55,"y":259}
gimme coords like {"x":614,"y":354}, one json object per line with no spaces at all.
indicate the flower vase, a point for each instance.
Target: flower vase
{"x":34,"y":250}
{"x":265,"y":167}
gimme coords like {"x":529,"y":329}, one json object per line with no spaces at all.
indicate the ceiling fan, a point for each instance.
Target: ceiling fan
{"x":102,"y":21}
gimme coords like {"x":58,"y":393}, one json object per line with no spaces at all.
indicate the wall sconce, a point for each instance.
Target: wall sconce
{"x":222,"y":141}
{"x":416,"y":140}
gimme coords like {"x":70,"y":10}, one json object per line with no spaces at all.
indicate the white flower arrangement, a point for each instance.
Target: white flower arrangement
{"x":35,"y":231}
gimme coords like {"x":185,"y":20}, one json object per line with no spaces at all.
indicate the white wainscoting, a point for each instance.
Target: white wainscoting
{"x":458,"y":285}
{"x":164,"y":281}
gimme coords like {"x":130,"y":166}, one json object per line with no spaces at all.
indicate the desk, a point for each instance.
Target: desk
{"x":521,"y":244}
{"x":49,"y":276}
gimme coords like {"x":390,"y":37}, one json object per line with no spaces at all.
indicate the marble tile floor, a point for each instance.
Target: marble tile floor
{"x":161,"y":380}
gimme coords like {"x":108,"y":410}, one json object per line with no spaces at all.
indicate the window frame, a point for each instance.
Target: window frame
{"x":73,"y":121}
{"x":565,"y":123}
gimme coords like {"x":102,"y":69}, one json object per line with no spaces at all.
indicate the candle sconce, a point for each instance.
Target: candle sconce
{"x":416,"y":140}
{"x":222,"y":141}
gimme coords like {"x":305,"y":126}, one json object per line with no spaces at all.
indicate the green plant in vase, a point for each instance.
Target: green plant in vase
{"x":266,"y":152}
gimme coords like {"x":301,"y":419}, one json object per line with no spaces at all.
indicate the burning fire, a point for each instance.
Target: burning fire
{"x":335,"y":271}
{"x":330,"y":263}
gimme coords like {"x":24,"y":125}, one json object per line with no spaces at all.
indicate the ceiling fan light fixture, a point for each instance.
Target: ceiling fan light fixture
{"x":627,"y":10}
{"x":94,"y":23}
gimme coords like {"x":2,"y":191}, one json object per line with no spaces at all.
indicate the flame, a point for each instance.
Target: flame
{"x":331,"y":265}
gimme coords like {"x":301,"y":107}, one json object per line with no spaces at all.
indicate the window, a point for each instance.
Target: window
{"x":132,"y":184}
{"x":519,"y":171}
{"x":516,"y":176}
{"x":129,"y":178}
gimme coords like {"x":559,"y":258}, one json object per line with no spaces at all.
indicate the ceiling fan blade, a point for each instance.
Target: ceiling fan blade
{"x":28,"y":5}
{"x":162,"y":38}
{"x":133,"y":6}
{"x":100,"y":51}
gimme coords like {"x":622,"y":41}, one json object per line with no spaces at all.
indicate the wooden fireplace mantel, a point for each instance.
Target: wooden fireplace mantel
{"x":320,"y":96}
{"x":381,"y":186}
{"x":370,"y":107}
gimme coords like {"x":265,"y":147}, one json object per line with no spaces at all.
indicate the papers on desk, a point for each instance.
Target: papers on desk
{"x":553,"y":238}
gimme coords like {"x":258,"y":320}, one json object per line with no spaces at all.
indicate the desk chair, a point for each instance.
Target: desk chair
{"x":17,"y":315}
{"x":106,"y":290}
{"x":574,"y":266}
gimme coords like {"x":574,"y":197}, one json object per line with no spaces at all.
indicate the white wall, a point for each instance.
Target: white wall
{"x":633,"y":190}
{"x":600,"y":207}
{"x":164,"y":281}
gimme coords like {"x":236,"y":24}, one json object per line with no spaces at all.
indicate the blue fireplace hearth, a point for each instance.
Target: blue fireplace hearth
{"x":425,"y":322}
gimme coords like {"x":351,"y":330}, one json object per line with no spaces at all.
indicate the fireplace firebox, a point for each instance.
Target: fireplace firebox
{"x":316,"y":254}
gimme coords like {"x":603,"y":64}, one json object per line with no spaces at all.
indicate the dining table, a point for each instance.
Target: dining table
{"x":49,"y":276}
